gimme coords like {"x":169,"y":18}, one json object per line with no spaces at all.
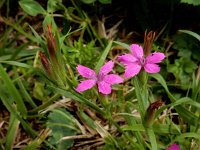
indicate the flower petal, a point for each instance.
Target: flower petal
{"x":106,"y":68}
{"x":152,"y":68}
{"x":104,"y":87}
{"x":113,"y":79}
{"x":86,"y":72}
{"x":85,"y":85}
{"x":137,"y":51}
{"x":155,"y":58}
{"x":132,"y":70}
{"x":127,"y":58}
{"x":173,"y":147}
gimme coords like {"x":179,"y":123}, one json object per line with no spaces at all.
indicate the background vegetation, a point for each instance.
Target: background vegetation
{"x":42,"y":42}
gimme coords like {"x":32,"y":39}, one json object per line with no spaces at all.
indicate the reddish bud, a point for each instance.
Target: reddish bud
{"x":45,"y":62}
{"x":148,"y":42}
{"x":150,"y":113}
{"x":51,"y":43}
{"x":155,"y":105}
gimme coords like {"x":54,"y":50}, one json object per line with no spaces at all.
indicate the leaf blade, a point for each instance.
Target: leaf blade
{"x":31,"y":7}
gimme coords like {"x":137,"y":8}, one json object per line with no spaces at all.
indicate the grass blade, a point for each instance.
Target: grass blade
{"x":152,"y":139}
{"x":197,"y":36}
{"x":122,"y":44}
{"x":12,"y":132}
{"x":183,"y":112}
{"x":25,"y":94}
{"x":103,"y":57}
{"x":6,"y":101}
{"x":79,"y":98}
{"x":19,"y":64}
{"x":13,"y":92}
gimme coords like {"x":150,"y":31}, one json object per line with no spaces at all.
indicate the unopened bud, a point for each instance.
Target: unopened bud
{"x":150,"y":113}
{"x":51,"y":43}
{"x":45,"y":62}
{"x":148,"y":42}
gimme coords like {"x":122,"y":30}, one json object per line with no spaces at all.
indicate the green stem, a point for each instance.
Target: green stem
{"x":20,"y":30}
{"x":133,"y":144}
{"x":14,"y":93}
{"x":139,"y":97}
{"x":105,"y":104}
{"x":87,"y":20}
{"x":14,"y":112}
{"x":152,"y":138}
{"x":46,"y":104}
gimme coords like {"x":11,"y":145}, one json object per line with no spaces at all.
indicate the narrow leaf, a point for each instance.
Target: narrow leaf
{"x":12,"y":132}
{"x":79,"y":98}
{"x":103,"y":57}
{"x":182,"y":111}
{"x":11,"y":89}
{"x":197,"y":36}
{"x":122,"y":44}
{"x":25,"y":94}
{"x":9,"y":107}
{"x":105,"y":1}
{"x":19,"y":64}
{"x":88,"y":1}
{"x":152,"y":138}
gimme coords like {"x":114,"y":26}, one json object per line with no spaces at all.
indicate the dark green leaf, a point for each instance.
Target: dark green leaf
{"x":88,"y":1}
{"x":13,"y":92}
{"x":32,"y":7}
{"x":182,"y":111}
{"x":103,"y":57}
{"x":194,"y":2}
{"x":62,"y":124}
{"x":197,"y":36}
{"x":105,"y":1}
{"x":53,"y":5}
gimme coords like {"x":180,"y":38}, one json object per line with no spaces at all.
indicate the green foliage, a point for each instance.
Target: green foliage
{"x":53,"y":5}
{"x":103,"y":57}
{"x":88,"y":1}
{"x":62,"y":124}
{"x":80,"y":53}
{"x":67,"y":34}
{"x":185,"y":113}
{"x":101,"y":1}
{"x":193,"y":2}
{"x":183,"y":67}
{"x":12,"y":132}
{"x":32,"y":7}
{"x":105,"y":1}
{"x":13,"y":92}
{"x":39,"y":91}
{"x":197,"y":36}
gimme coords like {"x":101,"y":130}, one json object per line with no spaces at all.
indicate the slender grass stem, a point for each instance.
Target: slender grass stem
{"x":44,"y":105}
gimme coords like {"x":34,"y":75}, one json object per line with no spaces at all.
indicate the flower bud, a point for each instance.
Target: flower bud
{"x":45,"y":62}
{"x":148,"y":42}
{"x":51,"y":43}
{"x":150,"y":113}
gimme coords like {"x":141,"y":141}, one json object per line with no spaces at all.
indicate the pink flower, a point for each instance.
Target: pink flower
{"x":173,"y":147}
{"x":136,"y":60}
{"x":103,"y":79}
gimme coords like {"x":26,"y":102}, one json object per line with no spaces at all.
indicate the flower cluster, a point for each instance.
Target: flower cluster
{"x":133,"y":63}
